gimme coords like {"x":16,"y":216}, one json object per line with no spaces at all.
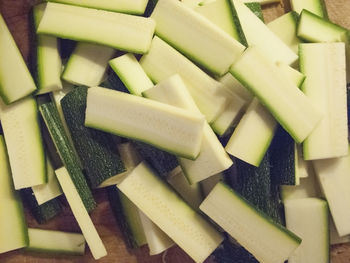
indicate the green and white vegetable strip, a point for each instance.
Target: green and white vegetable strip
{"x":15,"y":79}
{"x":116,"y":30}
{"x":178,"y":25}
{"x":87,"y":64}
{"x":318,"y":7}
{"x":231,"y":83}
{"x":55,"y":242}
{"x":167,"y":127}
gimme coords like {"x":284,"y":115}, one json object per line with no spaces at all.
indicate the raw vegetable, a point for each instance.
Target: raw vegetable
{"x":318,"y":7}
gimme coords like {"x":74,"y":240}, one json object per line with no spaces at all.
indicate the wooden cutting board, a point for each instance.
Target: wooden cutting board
{"x":15,"y":13}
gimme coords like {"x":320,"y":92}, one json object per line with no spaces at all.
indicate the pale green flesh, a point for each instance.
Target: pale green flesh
{"x":56,"y":242}
{"x":191,"y":193}
{"x":50,"y":190}
{"x":162,"y":61}
{"x":315,"y":6}
{"x":123,"y":6}
{"x":20,"y":123}
{"x":87,"y":64}
{"x":132,"y":215}
{"x":49,"y":64}
{"x":297,"y":77}
{"x":170,"y":213}
{"x":15,"y":79}
{"x":196,"y":36}
{"x":259,"y":35}
{"x":157,"y":240}
{"x":262,"y":2}
{"x":119,"y":31}
{"x":13,"y":228}
{"x":300,"y":219}
{"x":285,"y":27}
{"x":325,"y":86}
{"x":290,"y":107}
{"x":219,"y":12}
{"x":166,"y":127}
{"x":333,"y":175}
{"x":258,"y":234}
{"x":334,"y":236}
{"x":212,"y":158}
{"x":231,"y":83}
{"x":131,"y":73}
{"x":302,"y":167}
{"x":245,"y":143}
{"x":81,"y":215}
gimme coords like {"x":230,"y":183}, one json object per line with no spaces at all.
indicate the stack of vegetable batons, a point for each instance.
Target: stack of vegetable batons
{"x":195,"y":140}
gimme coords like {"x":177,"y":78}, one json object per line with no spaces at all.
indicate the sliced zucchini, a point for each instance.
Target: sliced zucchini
{"x":178,"y":25}
{"x":80,"y":213}
{"x":259,"y":35}
{"x":131,"y":73}
{"x":162,"y":61}
{"x":290,"y":107}
{"x":123,"y":6}
{"x":208,"y":184}
{"x":46,"y":192}
{"x":285,"y":27}
{"x":20,"y":123}
{"x":13,"y":227}
{"x":245,"y":143}
{"x":170,"y":213}
{"x":116,"y":30}
{"x":267,"y":241}
{"x":212,"y":159}
{"x":166,"y":127}
{"x":297,"y":77}
{"x":262,"y":2}
{"x":15,"y":79}
{"x":66,"y":153}
{"x":97,"y":151}
{"x":236,"y":87}
{"x":318,"y":7}
{"x":255,"y":7}
{"x":157,"y":240}
{"x":55,"y":242}
{"x":308,"y":218}
{"x":48,"y":60}
{"x":334,"y":236}
{"x":333,"y":175}
{"x":325,"y":85}
{"x":88,"y":64}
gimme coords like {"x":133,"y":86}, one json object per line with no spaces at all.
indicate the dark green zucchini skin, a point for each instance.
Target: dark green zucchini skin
{"x":161,"y":162}
{"x":228,"y":252}
{"x":256,"y":9}
{"x":44,"y":212}
{"x":255,"y":185}
{"x":66,"y":152}
{"x":114,"y":82}
{"x":282,"y":158}
{"x":97,"y":150}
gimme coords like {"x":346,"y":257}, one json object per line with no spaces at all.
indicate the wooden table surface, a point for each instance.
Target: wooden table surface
{"x":15,"y":12}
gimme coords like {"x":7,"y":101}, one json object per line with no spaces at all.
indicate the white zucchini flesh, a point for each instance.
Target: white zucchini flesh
{"x":162,"y":61}
{"x":50,"y":190}
{"x":325,"y":86}
{"x":333,"y":175}
{"x":285,"y":101}
{"x":285,"y":27}
{"x":262,"y":2}
{"x":123,"y":6}
{"x":267,"y":241}
{"x":334,"y":236}
{"x":297,"y":77}
{"x":49,"y":63}
{"x":167,"y":127}
{"x":87,"y":64}
{"x":231,"y":83}
{"x":170,"y":213}
{"x":131,"y":73}
{"x":20,"y":123}
{"x":116,"y":30}
{"x":302,"y":167}
{"x":56,"y":242}
{"x":219,"y":12}
{"x":253,"y":134}
{"x":317,"y":7}
{"x":157,"y":240}
{"x":308,"y":218}
{"x":212,"y":158}
{"x":259,"y":35}
{"x":87,"y":227}
{"x":179,"y":26}
{"x":13,"y":228}
{"x":15,"y":80}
